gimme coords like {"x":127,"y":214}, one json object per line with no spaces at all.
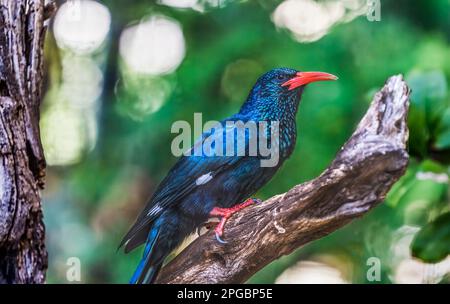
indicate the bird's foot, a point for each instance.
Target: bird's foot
{"x":226,"y":213}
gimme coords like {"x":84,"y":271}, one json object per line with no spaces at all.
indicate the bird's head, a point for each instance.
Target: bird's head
{"x":280,"y":90}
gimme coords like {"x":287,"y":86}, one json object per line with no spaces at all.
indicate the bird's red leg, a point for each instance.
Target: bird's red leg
{"x":225,"y":213}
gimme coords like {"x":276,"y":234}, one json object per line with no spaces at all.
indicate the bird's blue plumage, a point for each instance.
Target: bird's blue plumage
{"x":149,"y":273}
{"x":197,"y":184}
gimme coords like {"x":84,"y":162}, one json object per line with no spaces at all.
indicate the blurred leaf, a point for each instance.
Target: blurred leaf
{"x":428,"y":103}
{"x":429,"y":165}
{"x":423,"y":193}
{"x":443,"y":134}
{"x":401,"y":187}
{"x":419,"y":199}
{"x":432,"y":243}
{"x":430,"y":90}
{"x":428,"y":85}
{"x":418,"y":131}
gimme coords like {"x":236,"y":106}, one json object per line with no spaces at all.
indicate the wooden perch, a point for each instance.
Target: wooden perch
{"x":364,"y":170}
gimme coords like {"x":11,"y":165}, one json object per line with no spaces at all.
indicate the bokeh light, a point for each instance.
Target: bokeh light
{"x":197,"y":5}
{"x":408,"y":270}
{"x":81,"y":26}
{"x":69,"y":122}
{"x":67,"y":132}
{"x":311,"y":272}
{"x":310,"y":20}
{"x":154,"y":46}
{"x":139,"y":96}
{"x":82,"y":80}
{"x":179,"y":3}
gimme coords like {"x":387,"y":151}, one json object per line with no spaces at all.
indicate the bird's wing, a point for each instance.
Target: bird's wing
{"x":187,"y":174}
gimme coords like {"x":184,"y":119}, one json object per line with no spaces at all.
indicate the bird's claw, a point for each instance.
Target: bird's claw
{"x":225,"y":213}
{"x":219,"y":238}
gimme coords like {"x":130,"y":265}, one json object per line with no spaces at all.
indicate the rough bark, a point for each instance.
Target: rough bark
{"x":364,"y":170}
{"x":23,"y":257}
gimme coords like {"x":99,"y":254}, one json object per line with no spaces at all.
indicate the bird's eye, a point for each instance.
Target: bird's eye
{"x":281,"y":77}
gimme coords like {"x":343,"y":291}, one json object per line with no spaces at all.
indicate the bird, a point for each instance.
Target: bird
{"x":199,"y":187}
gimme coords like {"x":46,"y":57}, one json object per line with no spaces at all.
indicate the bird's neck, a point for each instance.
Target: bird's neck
{"x":261,"y":107}
{"x":283,"y":110}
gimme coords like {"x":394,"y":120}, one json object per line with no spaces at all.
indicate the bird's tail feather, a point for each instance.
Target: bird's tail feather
{"x":148,"y":269}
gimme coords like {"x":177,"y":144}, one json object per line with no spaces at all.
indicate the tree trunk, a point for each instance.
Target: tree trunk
{"x":23,"y":257}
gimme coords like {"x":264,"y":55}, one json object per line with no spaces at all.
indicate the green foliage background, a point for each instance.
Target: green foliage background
{"x":90,"y":203}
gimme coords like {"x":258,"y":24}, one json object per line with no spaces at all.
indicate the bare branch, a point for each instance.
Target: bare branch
{"x":364,"y":170}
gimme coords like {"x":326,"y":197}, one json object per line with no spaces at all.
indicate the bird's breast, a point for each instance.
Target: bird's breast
{"x":288,"y":137}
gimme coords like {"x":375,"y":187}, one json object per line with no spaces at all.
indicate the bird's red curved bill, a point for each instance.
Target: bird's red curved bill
{"x":302,"y":78}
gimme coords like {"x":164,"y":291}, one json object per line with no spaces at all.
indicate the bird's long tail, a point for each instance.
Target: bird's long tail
{"x":150,"y":264}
